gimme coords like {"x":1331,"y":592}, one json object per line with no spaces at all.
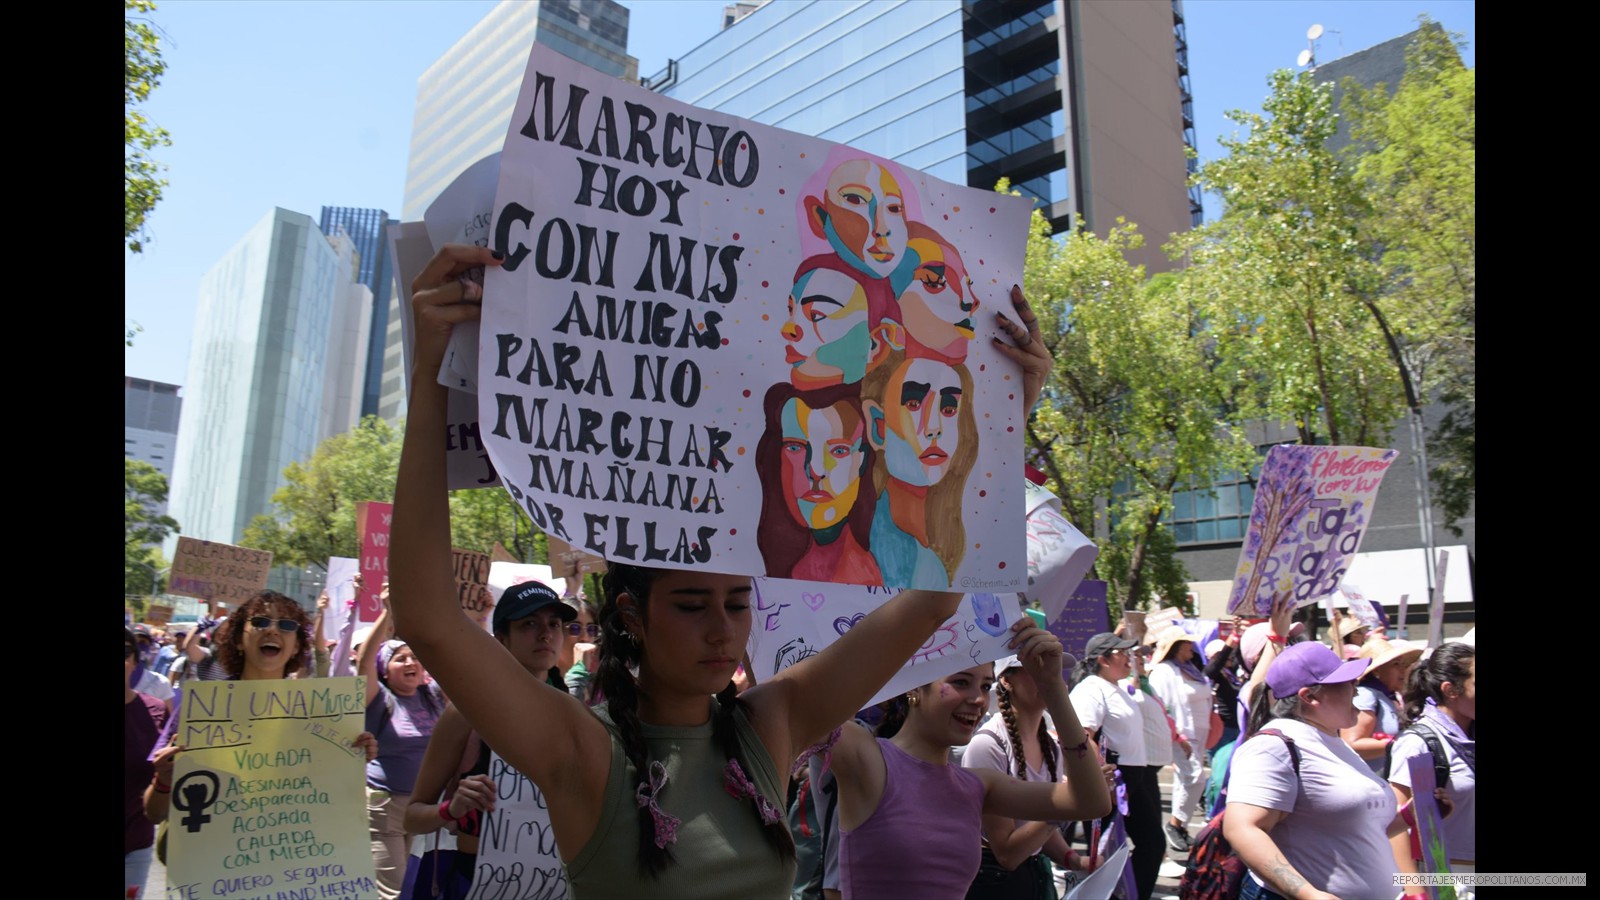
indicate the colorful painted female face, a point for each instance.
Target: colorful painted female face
{"x":923,"y":405}
{"x":864,"y":216}
{"x":823,"y":450}
{"x":829,"y":342}
{"x":938,"y":305}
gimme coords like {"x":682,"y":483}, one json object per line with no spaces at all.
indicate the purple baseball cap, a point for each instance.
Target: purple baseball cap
{"x":1310,"y":663}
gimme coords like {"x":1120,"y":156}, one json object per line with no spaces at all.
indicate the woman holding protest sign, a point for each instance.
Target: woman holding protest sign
{"x":672,"y":786}
{"x":455,"y":787}
{"x":263,"y":640}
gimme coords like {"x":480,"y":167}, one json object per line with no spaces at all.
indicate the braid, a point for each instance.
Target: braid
{"x":617,"y":654}
{"x":725,"y":733}
{"x":1019,"y":754}
{"x":895,"y":710}
{"x":1047,"y":749}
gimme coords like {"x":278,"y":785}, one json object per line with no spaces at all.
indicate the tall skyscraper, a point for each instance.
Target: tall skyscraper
{"x":464,"y":105}
{"x":257,"y":373}
{"x":151,"y":410}
{"x":1082,"y":104}
{"x":349,"y":326}
{"x":366,"y":227}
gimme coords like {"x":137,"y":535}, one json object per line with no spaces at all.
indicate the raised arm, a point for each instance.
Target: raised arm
{"x":367,"y":665}
{"x":802,"y":704}
{"x":544,"y":733}
{"x":1082,"y":795}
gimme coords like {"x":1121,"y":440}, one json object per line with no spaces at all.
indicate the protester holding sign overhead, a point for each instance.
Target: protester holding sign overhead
{"x":715,"y":827}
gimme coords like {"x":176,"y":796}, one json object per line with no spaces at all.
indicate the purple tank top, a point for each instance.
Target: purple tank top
{"x":924,"y":839}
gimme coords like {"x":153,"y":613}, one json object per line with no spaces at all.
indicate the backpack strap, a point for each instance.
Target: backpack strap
{"x":1294,"y":752}
{"x":1441,"y":760}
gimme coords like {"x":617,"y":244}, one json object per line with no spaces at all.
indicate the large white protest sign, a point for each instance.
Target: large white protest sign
{"x":517,"y":856}
{"x":461,"y":215}
{"x":720,"y":345}
{"x":795,"y":620}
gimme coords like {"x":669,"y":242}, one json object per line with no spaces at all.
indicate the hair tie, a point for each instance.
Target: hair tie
{"x":647,"y":794}
{"x":739,"y":787}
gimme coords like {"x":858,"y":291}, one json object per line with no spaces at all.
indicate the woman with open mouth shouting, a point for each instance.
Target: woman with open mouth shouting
{"x":900,"y":799}
{"x":402,"y":708}
{"x":263,"y":640}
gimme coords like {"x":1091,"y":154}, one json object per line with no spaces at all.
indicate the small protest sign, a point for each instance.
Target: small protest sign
{"x":269,"y":799}
{"x":718,"y":345}
{"x":221,"y":573}
{"x":1313,"y":506}
{"x":795,"y":620}
{"x":471,"y":570}
{"x":1159,"y":621}
{"x":157,"y":614}
{"x":517,"y":856}
{"x":1059,"y":555}
{"x":1083,"y":616}
{"x":1430,"y":824}
{"x":572,"y":563}
{"x":372,"y":523}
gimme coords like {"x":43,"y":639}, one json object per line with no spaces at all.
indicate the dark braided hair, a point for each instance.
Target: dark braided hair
{"x":1047,"y":744}
{"x":1451,"y":662}
{"x":895,"y":709}
{"x":619,"y":652}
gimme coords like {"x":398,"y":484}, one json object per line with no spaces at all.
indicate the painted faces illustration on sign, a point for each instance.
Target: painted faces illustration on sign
{"x":921,"y":406}
{"x":823,"y":451}
{"x":862,"y":215}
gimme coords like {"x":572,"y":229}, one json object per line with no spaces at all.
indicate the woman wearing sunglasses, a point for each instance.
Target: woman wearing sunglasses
{"x":580,"y":653}
{"x":455,"y":788}
{"x":263,"y":640}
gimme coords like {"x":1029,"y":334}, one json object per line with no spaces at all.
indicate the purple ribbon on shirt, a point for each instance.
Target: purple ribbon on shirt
{"x":740,"y":787}
{"x":647,"y":795}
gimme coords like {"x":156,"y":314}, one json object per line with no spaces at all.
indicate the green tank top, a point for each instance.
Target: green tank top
{"x":720,"y":851}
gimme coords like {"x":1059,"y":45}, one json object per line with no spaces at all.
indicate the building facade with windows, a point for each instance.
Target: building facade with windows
{"x":1083,"y":105}
{"x":367,"y":229}
{"x":257,"y":373}
{"x":151,"y":412}
{"x":464,"y":105}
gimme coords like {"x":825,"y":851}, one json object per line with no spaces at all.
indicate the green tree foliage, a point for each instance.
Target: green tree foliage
{"x":1415,"y":157}
{"x":1283,"y":279}
{"x":144,"y":70}
{"x":1135,"y":406}
{"x":315,"y":511}
{"x":146,"y":490}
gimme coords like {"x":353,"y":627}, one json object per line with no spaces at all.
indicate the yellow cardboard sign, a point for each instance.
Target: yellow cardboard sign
{"x":269,"y":800}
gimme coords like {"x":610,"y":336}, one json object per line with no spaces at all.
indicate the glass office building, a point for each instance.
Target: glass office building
{"x":366,"y":229}
{"x":256,"y":375}
{"x":464,"y":105}
{"x":1080,"y":104}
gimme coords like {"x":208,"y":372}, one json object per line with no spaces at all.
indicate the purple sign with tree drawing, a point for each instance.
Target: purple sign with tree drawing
{"x":1430,"y":824}
{"x":1083,"y":617}
{"x":1313,"y":505}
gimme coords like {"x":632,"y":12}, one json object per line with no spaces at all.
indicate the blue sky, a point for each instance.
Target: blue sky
{"x":309,"y":104}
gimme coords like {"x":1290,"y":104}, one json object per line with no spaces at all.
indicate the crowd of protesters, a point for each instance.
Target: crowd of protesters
{"x":666,"y":773}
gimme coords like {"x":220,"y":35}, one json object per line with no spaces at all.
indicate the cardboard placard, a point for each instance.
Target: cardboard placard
{"x":221,"y":573}
{"x":471,"y":570}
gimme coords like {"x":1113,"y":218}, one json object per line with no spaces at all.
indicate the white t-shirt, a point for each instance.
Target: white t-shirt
{"x":1187,"y":701}
{"x":1460,"y":834}
{"x":1158,"y":744}
{"x":1106,"y":706}
{"x":1335,"y":833}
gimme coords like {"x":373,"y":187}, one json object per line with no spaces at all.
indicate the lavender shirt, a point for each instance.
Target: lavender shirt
{"x":924,"y":839}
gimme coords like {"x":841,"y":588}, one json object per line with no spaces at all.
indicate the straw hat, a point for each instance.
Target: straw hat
{"x":1383,"y":652}
{"x":1347,"y":626}
{"x":1168,"y":639}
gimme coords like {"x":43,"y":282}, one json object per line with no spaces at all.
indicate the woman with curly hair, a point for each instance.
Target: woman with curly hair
{"x":263,"y":640}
